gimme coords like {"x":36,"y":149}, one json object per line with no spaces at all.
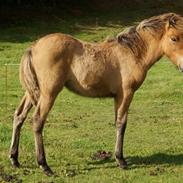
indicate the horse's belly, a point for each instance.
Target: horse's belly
{"x":90,"y":81}
{"x":89,"y":88}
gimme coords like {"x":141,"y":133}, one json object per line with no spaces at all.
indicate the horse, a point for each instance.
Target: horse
{"x":113,"y":68}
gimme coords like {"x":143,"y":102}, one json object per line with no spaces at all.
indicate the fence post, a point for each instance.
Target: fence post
{"x":6,"y":88}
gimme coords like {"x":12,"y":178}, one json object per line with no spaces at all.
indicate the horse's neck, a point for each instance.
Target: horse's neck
{"x":154,"y":52}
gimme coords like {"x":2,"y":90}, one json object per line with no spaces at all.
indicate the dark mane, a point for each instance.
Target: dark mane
{"x":132,"y":39}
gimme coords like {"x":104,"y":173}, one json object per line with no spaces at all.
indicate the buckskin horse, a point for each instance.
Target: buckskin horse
{"x":114,"y":68}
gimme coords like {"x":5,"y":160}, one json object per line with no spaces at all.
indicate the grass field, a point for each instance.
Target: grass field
{"x":78,"y":127}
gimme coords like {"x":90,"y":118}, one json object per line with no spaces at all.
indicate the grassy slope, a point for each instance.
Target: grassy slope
{"x":77,"y":127}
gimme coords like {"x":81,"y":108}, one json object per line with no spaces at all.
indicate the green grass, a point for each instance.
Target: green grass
{"x":78,"y":127}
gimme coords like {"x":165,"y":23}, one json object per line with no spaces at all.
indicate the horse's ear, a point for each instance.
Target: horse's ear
{"x":172,"y":21}
{"x":122,"y":38}
{"x":119,"y":37}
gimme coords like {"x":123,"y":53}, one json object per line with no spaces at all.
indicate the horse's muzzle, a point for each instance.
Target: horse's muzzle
{"x":180,"y":67}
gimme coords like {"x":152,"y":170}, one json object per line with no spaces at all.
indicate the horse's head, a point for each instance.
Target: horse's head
{"x":173,"y":40}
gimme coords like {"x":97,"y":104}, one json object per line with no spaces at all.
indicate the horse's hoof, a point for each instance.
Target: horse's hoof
{"x":123,"y":164}
{"x":47,"y":170}
{"x":15,"y":163}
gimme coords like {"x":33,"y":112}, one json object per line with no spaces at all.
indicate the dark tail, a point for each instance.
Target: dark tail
{"x":28,"y":77}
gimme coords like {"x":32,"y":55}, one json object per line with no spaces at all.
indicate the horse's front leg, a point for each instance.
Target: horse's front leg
{"x":122,"y":103}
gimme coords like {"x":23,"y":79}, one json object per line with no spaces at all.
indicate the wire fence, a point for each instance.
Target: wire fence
{"x":10,"y":90}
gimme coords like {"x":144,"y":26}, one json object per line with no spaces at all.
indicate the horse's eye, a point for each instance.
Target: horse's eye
{"x":174,"y":39}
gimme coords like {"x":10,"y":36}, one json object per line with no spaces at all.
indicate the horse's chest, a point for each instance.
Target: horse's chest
{"x":137,"y":79}
{"x":133,"y":76}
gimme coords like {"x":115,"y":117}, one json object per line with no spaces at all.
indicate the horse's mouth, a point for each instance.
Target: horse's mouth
{"x":180,"y":67}
{"x":180,"y":70}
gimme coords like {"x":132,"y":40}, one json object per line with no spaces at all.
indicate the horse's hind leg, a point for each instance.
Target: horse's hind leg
{"x":19,"y":117}
{"x":39,"y":117}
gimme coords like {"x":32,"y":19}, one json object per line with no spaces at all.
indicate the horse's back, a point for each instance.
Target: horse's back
{"x":55,"y":45}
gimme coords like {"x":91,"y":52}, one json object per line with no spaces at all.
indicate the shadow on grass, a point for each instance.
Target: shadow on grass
{"x":139,"y":161}
{"x":106,"y":164}
{"x":135,"y":162}
{"x":156,"y":159}
{"x":100,"y":162}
